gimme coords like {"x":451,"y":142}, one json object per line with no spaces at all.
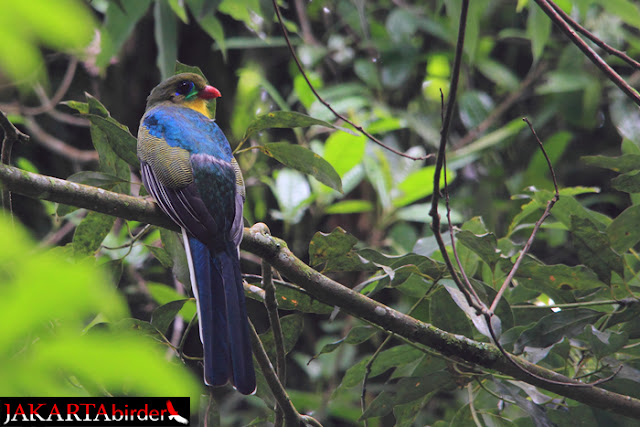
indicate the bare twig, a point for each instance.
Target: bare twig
{"x":49,"y":104}
{"x":11,"y":135}
{"x":367,"y":372}
{"x":589,"y":53}
{"x":440,"y":160}
{"x":271,"y":304}
{"x":325,"y":103}
{"x":291,"y":416}
{"x":514,"y":269}
{"x":588,"y":34}
{"x":503,"y":107}
{"x":58,"y":146}
{"x":536,"y":227}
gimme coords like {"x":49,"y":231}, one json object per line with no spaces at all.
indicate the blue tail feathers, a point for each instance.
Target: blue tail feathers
{"x":224,"y":327}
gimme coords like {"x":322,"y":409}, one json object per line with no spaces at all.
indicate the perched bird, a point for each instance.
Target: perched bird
{"x":188,"y":167}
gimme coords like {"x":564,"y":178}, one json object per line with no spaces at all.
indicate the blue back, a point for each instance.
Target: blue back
{"x":188,"y":129}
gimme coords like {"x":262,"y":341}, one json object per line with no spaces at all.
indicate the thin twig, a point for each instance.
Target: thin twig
{"x":472,"y":408}
{"x":503,"y":107}
{"x":49,"y":104}
{"x":444,"y":136}
{"x":325,"y":103}
{"x":271,"y":305}
{"x":586,"y":49}
{"x":588,"y":34}
{"x":514,"y":269}
{"x":58,"y":146}
{"x":536,"y":227}
{"x":291,"y":415}
{"x":11,"y":135}
{"x":367,"y":372}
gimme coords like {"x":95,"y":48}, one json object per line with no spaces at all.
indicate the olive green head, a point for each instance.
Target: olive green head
{"x":189,"y":89}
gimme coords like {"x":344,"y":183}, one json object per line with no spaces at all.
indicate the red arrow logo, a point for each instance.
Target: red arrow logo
{"x":173,"y":414}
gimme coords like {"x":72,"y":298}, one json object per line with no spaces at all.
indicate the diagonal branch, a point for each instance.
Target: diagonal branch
{"x":551,"y":12}
{"x":275,"y":252}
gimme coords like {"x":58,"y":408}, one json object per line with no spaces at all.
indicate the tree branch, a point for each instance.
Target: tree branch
{"x":275,"y":252}
{"x":588,"y":52}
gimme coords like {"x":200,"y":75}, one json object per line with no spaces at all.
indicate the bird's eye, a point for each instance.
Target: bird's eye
{"x":184,"y":87}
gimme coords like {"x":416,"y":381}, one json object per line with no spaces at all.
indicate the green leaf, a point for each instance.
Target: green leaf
{"x":622,"y":164}
{"x":483,"y":245}
{"x":445,"y":314}
{"x":293,"y":193}
{"x":212,"y":26}
{"x":80,"y":107}
{"x":604,"y":343}
{"x":335,"y":251}
{"x":184,"y":68}
{"x":349,"y":207}
{"x":397,"y":356}
{"x":179,"y":9}
{"x":553,"y":327}
{"x":119,"y":138}
{"x":553,"y":278}
{"x":381,"y":406}
{"x":293,"y":298}
{"x":121,"y":18}
{"x":173,"y":244}
{"x":161,"y":255}
{"x":628,"y":182}
{"x":626,"y":10}
{"x":490,"y":140}
{"x":538,"y":30}
{"x":91,"y":232}
{"x":283,"y":119}
{"x":418,"y":185}
{"x":356,"y":335}
{"x":412,"y":388}
{"x":594,"y":249}
{"x":624,"y":232}
{"x":304,"y":160}
{"x":162,"y":316}
{"x":95,"y":179}
{"x":344,"y":151}
{"x":166,"y":36}
{"x":292,"y":326}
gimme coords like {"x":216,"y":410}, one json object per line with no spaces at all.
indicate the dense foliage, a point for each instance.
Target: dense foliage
{"x":348,"y":207}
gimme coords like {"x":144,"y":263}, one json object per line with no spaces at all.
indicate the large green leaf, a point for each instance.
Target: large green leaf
{"x":119,"y":138}
{"x":283,"y":119}
{"x":446,"y":315}
{"x":419,"y":184}
{"x":121,"y":18}
{"x":166,"y":34}
{"x":335,"y":251}
{"x":594,"y":249}
{"x":553,"y":279}
{"x":356,"y":335}
{"x":292,"y":326}
{"x":91,"y":232}
{"x":628,"y":182}
{"x":553,"y":327}
{"x":304,"y":160}
{"x":624,"y":232}
{"x":622,"y":164}
{"x":538,"y":30}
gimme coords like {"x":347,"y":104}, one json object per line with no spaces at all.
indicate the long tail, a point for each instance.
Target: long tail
{"x":224,"y":326}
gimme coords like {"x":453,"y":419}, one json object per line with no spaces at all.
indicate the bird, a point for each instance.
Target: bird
{"x":188,"y":167}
